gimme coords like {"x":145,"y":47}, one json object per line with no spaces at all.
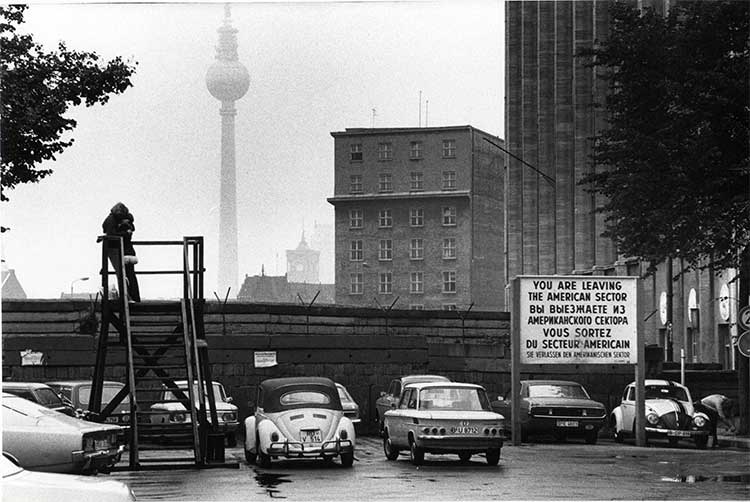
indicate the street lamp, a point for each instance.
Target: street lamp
{"x":76,"y":280}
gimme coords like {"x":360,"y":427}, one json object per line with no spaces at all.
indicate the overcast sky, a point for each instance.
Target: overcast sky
{"x":315,"y":67}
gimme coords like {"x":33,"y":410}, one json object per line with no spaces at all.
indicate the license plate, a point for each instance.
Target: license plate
{"x":111,"y":420}
{"x":679,"y":434}
{"x":101,"y":444}
{"x":464,"y":430}
{"x":567,"y":423}
{"x":311,"y":436}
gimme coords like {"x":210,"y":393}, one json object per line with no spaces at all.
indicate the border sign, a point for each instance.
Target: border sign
{"x":744,"y":317}
{"x":578,"y":320}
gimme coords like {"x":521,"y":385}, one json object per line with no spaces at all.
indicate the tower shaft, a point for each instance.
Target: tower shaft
{"x":228,"y":267}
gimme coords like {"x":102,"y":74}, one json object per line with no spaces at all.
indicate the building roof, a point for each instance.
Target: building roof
{"x":363,"y":131}
{"x":11,"y":285}
{"x":277,"y":289}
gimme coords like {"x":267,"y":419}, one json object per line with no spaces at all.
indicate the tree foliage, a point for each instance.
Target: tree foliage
{"x":37,"y":88}
{"x":676,"y":149}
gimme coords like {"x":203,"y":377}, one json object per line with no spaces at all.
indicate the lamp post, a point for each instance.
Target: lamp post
{"x":76,"y":280}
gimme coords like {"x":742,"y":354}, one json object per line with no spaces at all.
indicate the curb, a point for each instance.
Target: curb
{"x":742,"y":443}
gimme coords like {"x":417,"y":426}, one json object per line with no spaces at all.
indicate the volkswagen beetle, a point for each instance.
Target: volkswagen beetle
{"x":669,"y":414}
{"x":298,"y":417}
{"x":443,"y":417}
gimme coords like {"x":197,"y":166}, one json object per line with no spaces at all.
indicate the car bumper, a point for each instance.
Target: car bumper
{"x":675,"y":433}
{"x":568,"y":425}
{"x":436,"y":444}
{"x":97,"y":460}
{"x":228,"y":427}
{"x":294,"y":449}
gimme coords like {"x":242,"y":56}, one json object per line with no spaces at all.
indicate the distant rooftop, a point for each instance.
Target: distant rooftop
{"x":362,"y":131}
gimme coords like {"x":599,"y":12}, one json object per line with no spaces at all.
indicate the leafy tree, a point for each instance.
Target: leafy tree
{"x":37,"y":88}
{"x":676,"y":149}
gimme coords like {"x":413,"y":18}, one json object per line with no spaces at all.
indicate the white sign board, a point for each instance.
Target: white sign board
{"x":265,"y":359}
{"x":578,"y":320}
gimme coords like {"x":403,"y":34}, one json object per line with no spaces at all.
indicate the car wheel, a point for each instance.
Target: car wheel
{"x":231,"y":440}
{"x":250,"y":457}
{"x":464,"y":456}
{"x":618,"y":436}
{"x":493,"y":456}
{"x":381,"y":430}
{"x":591,"y":437}
{"x":701,"y":442}
{"x":347,"y":459}
{"x":416,"y":453}
{"x":262,"y":459}
{"x":391,"y":453}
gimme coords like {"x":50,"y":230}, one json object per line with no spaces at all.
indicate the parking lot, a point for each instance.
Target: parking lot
{"x":545,"y":470}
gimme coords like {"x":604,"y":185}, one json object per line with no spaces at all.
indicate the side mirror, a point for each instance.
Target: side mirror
{"x":229,"y":399}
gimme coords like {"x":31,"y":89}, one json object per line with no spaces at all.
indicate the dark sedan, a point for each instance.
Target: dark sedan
{"x":557,"y":407}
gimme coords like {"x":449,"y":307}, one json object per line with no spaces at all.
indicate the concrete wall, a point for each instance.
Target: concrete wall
{"x":361,"y":348}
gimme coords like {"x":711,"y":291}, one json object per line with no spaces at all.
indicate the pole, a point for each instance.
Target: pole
{"x":670,"y":294}
{"x":682,"y":366}
{"x":515,"y":362}
{"x":640,"y":374}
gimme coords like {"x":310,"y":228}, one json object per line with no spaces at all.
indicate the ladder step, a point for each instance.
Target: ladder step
{"x":158,"y":378}
{"x":166,"y":459}
{"x":159,"y":366}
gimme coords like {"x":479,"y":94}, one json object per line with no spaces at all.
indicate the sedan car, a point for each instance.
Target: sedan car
{"x":172,"y":411}
{"x":40,"y":394}
{"x":669,"y":414}
{"x":21,"y":485}
{"x":298,"y":417}
{"x":556,"y":407}
{"x":351,"y":408}
{"x":41,"y":439}
{"x":77,"y":393}
{"x":389,"y":399}
{"x":443,"y":417}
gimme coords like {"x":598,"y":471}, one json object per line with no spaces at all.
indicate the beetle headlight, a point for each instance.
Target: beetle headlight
{"x":652,"y":418}
{"x":699,"y":421}
{"x":274,"y":437}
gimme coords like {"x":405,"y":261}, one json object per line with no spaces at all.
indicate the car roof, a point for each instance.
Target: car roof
{"x":25,"y":385}
{"x":423,"y":378}
{"x":549,"y":382}
{"x":275,"y":383}
{"x":658,"y":381}
{"x":80,"y":382}
{"x":424,"y":385}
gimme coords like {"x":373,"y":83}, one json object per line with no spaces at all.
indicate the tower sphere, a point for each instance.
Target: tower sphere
{"x":227,"y":80}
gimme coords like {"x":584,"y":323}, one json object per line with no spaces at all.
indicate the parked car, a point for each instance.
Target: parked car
{"x":298,"y":417}
{"x":40,"y":439}
{"x":171,"y":411}
{"x":351,"y":408}
{"x":40,"y":394}
{"x":669,"y":414}
{"x":443,"y":417}
{"x":76,"y":393}
{"x":558,"y":407}
{"x":22,"y":485}
{"x":390,"y":398}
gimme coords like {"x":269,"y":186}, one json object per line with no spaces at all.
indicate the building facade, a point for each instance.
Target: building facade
{"x":419,"y":218}
{"x":551,"y":115}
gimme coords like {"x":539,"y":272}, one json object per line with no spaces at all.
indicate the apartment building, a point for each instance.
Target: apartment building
{"x":419,"y":218}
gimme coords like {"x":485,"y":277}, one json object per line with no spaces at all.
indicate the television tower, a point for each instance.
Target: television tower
{"x":227,"y":80}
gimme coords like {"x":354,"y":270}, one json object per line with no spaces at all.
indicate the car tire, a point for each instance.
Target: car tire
{"x":250,"y":457}
{"x":262,"y":459}
{"x":591,"y":437}
{"x":493,"y":456}
{"x":701,"y":442}
{"x":391,"y":453}
{"x":416,"y":453}
{"x":618,"y":436}
{"x":465,"y":456}
{"x":231,"y":440}
{"x":347,"y":459}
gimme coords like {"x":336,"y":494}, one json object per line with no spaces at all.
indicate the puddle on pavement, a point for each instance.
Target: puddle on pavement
{"x":722,"y":478}
{"x":270,"y":482}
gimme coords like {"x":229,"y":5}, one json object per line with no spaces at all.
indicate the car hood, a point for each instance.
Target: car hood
{"x":565,"y":402}
{"x":52,"y":487}
{"x":290,"y":422}
{"x":221,"y":407}
{"x":664,"y":406}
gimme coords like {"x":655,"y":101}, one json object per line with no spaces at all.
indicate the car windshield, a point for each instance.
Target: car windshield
{"x":304,"y":397}
{"x":219,"y":394}
{"x":567,"y":391}
{"x":453,"y":398}
{"x":344,"y":395}
{"x":108,"y":392}
{"x":666,"y":392}
{"x":48,"y":398}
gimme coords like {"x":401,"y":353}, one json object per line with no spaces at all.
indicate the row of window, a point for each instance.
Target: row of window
{"x":446,"y":306}
{"x":416,"y":249}
{"x":416,"y":150}
{"x":416,"y":282}
{"x":416,"y":184}
{"x":416,"y":217}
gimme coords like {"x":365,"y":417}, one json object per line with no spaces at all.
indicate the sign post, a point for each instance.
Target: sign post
{"x":566,"y":319}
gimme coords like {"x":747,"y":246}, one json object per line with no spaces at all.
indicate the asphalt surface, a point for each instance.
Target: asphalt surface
{"x":537,"y":471}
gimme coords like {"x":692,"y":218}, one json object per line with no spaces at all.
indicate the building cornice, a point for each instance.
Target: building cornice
{"x":454,"y":194}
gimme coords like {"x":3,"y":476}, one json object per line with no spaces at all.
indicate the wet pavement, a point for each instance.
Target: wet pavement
{"x":538,"y":471}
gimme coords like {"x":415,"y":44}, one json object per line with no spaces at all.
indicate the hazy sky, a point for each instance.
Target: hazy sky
{"x":315,"y":67}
